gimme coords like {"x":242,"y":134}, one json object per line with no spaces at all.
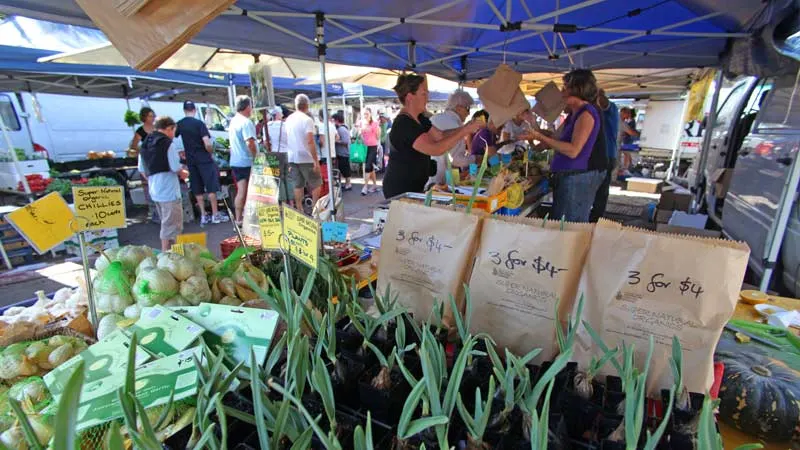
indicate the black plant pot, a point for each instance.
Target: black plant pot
{"x":347,"y":336}
{"x":345,"y":380}
{"x":581,"y":416}
{"x":386,"y":405}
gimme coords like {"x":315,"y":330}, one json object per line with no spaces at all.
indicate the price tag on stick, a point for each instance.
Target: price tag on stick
{"x":99,"y":207}
{"x":334,"y":232}
{"x":44,"y":223}
{"x":270,"y":227}
{"x":302,"y":234}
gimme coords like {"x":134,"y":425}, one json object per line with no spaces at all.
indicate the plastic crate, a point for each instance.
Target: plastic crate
{"x":489,"y":204}
{"x":228,"y":245}
{"x":509,"y":212}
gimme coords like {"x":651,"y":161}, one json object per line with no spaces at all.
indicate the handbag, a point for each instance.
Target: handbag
{"x":358,"y":151}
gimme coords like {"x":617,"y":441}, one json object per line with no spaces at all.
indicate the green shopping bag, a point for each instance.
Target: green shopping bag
{"x":358,"y":152}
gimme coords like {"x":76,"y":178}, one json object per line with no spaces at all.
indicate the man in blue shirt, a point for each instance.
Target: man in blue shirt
{"x":203,"y":173}
{"x":242,"y":134}
{"x":610,"y":115}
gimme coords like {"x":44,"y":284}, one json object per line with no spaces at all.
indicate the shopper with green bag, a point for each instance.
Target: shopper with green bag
{"x":358,"y":151}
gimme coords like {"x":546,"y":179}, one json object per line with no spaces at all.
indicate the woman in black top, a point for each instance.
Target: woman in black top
{"x":414,"y":139}
{"x":148,"y":118}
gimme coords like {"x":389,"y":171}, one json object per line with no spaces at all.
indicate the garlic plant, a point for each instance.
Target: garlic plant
{"x":476,"y":424}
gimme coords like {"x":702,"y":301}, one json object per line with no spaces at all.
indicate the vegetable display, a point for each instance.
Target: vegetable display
{"x":343,"y":376}
{"x":759,"y":394}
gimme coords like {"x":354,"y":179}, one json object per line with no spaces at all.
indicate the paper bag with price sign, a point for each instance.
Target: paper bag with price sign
{"x":638,"y":283}
{"x":426,"y":253}
{"x":523,"y":269}
{"x":302,"y":234}
{"x":267,"y":186}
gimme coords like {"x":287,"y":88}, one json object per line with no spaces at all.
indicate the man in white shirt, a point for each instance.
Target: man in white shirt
{"x":517,"y":130}
{"x":302,"y":153}
{"x":456,"y":112}
{"x":276,"y":131}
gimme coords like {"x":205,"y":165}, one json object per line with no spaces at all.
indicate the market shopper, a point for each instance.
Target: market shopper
{"x":242,"y":134}
{"x":628,"y":132}
{"x":484,"y":142}
{"x":610,"y":121}
{"x":276,"y":131}
{"x":148,"y":118}
{"x":160,"y":163}
{"x":203,"y":171}
{"x":304,"y":169}
{"x":371,"y":135}
{"x":516,"y":131}
{"x":576,"y":175}
{"x":454,"y":115}
{"x":343,"y":150}
{"x":414,"y":139}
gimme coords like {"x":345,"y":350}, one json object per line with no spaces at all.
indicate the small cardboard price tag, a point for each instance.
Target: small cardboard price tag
{"x":193,"y":238}
{"x":302,"y":234}
{"x":270,"y":227}
{"x":473,"y":170}
{"x":44,"y":223}
{"x":334,"y":232}
{"x":99,"y":207}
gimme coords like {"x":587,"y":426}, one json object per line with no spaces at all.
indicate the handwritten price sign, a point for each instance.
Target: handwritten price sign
{"x":512,"y":260}
{"x":658,"y":281}
{"x":269,"y":224}
{"x":44,"y":223}
{"x":303,"y":236}
{"x":430,"y":242}
{"x":99,"y":208}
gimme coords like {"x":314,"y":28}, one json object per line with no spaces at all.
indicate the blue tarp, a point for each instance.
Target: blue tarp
{"x":469,"y":34}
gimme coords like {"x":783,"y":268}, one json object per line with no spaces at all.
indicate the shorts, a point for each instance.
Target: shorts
{"x":240,"y":173}
{"x":343,"y":164}
{"x":304,"y":176}
{"x":372,"y":159}
{"x":171,"y":214}
{"x":204,"y":178}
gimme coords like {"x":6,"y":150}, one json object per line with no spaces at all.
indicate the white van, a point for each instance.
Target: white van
{"x":68,"y":127}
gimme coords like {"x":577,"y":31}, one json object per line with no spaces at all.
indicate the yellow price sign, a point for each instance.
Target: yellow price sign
{"x":99,"y":207}
{"x":269,"y":225}
{"x":193,"y":238}
{"x":302,"y":234}
{"x":177,"y":249}
{"x":44,"y":223}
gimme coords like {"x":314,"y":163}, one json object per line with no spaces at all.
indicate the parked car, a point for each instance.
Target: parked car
{"x":756,"y":138}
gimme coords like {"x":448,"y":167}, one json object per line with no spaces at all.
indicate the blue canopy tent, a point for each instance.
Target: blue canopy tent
{"x":466,"y":39}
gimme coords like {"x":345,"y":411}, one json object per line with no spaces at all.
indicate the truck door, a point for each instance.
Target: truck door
{"x":20,"y":137}
{"x":766,"y":159}
{"x":215,"y":120}
{"x":721,"y":134}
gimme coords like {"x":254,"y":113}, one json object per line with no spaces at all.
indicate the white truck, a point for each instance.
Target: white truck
{"x":664,"y":139}
{"x":67,"y":127}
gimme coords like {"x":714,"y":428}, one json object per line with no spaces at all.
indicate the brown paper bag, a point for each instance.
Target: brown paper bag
{"x":502,"y":86}
{"x":521,"y":272}
{"x":499,"y":114}
{"x":147,"y":38}
{"x":425,"y":255}
{"x":549,"y":102}
{"x":637,"y":283}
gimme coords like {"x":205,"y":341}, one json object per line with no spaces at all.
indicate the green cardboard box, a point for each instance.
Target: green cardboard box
{"x":155,"y":381}
{"x":235,"y":329}
{"x":106,"y":358}
{"x":164,"y":333}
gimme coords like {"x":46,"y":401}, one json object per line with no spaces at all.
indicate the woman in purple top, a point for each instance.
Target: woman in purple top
{"x":577,"y":173}
{"x":484,"y":142}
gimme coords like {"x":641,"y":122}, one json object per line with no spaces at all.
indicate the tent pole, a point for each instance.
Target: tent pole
{"x":231,"y":93}
{"x":782,"y":220}
{"x":704,"y":148}
{"x":321,"y":50}
{"x":361,"y":113}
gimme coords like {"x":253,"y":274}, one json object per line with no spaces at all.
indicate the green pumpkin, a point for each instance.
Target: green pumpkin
{"x":759,"y":394}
